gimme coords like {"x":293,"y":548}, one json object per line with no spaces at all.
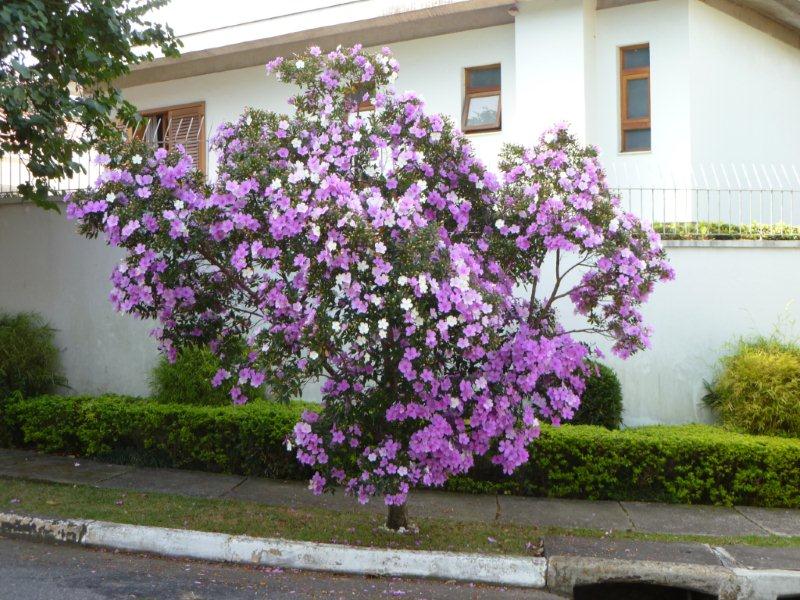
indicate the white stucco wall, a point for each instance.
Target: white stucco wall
{"x":665,"y":26}
{"x":745,"y":92}
{"x":49,"y":269}
{"x":719,"y":294}
{"x":433,"y":67}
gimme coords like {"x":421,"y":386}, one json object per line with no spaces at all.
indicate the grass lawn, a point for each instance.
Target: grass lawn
{"x":318,"y":525}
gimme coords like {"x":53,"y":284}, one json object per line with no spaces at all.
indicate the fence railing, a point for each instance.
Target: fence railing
{"x":720,"y":212}
{"x":745,"y":203}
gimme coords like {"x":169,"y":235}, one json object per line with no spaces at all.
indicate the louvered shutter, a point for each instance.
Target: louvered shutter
{"x":186,"y":125}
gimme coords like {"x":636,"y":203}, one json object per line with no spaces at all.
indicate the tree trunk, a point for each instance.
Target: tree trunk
{"x":397,"y":517}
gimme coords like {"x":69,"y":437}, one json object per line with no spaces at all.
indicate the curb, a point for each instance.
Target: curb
{"x":559,"y":574}
{"x":516,"y":571}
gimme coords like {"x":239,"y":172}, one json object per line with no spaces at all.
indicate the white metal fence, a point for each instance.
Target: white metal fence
{"x":712,"y":200}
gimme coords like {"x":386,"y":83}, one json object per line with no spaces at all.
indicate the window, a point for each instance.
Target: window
{"x":481,"y":99}
{"x":635,"y":97}
{"x":359,"y":101}
{"x":168,"y":127}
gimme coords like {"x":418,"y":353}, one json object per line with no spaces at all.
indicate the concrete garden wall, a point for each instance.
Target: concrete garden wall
{"x":720,"y":292}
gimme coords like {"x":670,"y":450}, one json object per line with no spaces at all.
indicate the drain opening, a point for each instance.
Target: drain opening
{"x":637,"y":591}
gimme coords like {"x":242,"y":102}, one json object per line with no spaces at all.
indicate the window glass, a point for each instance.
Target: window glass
{"x":638,"y":91}
{"x":637,"y":139}
{"x":636,"y":58}
{"x":484,"y":78}
{"x":482,"y":111}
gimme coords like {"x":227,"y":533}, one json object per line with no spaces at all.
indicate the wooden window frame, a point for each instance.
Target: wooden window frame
{"x":480,"y":92}
{"x":626,"y":75}
{"x":179,"y":110}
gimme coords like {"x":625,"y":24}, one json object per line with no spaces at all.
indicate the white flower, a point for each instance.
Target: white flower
{"x":357,"y":136}
{"x":276,"y":184}
{"x":136,"y":159}
{"x":110,"y":197}
{"x":480,"y":383}
{"x":316,"y":230}
{"x":302,"y":207}
{"x":452,"y":321}
{"x":362,"y":266}
{"x":361,"y":340}
{"x":500,"y":223}
{"x":402,"y":280}
{"x":454,"y":402}
{"x":380,"y":248}
{"x":296,"y":142}
{"x":423,"y":284}
{"x":336,"y":326}
{"x":406,"y":304}
{"x":288,"y":445}
{"x":383,"y":324}
{"x":300,"y":64}
{"x":402,"y":471}
{"x":331,"y":245}
{"x":372,"y":457}
{"x":178,"y":204}
{"x":313,"y":355}
{"x":382,"y":334}
{"x":376,"y":300}
{"x":363,"y":328}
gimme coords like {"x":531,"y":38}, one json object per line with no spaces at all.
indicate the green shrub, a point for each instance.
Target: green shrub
{"x":247,"y":439}
{"x":601,"y":403}
{"x":757,"y":389}
{"x":698,"y":464}
{"x":188,"y":380}
{"x":29,"y":360}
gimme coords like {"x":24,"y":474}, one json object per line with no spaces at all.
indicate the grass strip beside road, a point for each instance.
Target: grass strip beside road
{"x":355,"y":528}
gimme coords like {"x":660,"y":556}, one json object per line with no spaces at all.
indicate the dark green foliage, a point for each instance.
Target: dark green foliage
{"x":757,"y":389}
{"x":246,"y":439}
{"x":601,"y":403}
{"x":29,"y":360}
{"x":48,"y":50}
{"x":696,"y":464}
{"x":188,"y":380}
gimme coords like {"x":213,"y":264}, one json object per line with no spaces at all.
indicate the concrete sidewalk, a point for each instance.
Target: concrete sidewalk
{"x":541,"y":512}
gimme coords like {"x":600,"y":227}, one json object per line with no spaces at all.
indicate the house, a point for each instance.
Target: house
{"x":695,"y":105}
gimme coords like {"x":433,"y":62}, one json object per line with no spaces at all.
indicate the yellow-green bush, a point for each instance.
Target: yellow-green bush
{"x":188,"y":380}
{"x":757,"y":389}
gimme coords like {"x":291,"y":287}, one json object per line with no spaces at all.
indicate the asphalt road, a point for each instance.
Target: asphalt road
{"x":38,"y":571}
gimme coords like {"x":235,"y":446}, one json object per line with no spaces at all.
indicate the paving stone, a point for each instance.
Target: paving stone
{"x":475,"y":508}
{"x":175,"y":481}
{"x":10,"y":456}
{"x":689,"y":520}
{"x":60,"y":469}
{"x":553,"y":512}
{"x":765,"y":558}
{"x":780,"y":521}
{"x":676,"y":552}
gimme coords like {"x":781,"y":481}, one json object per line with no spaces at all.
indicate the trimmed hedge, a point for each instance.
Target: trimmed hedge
{"x":247,"y":439}
{"x":697,"y":464}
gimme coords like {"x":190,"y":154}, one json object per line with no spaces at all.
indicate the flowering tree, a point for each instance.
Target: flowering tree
{"x":376,"y":252}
